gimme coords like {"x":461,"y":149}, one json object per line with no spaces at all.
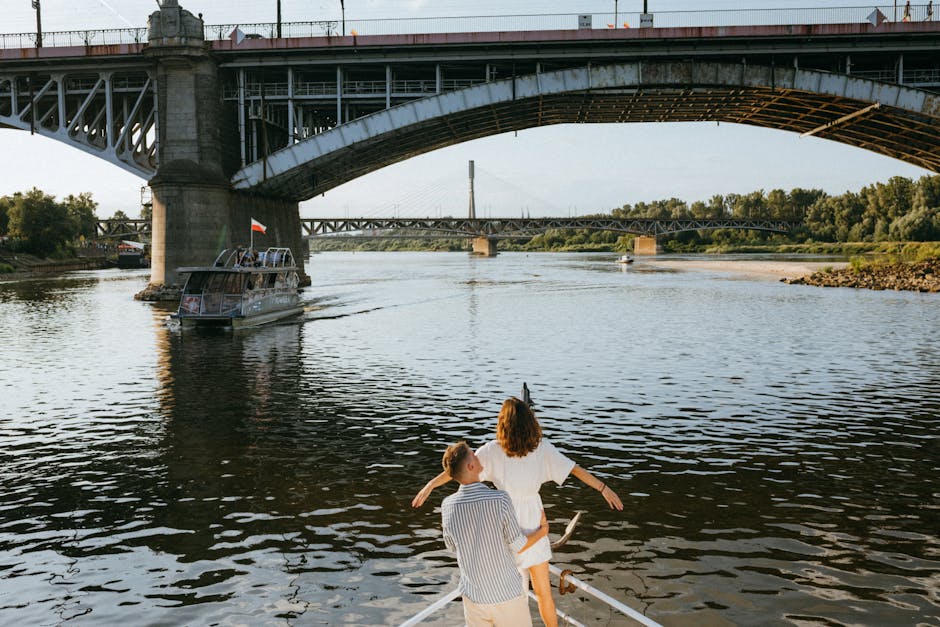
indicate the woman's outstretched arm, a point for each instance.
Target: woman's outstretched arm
{"x":425,"y":492}
{"x":593,"y":482}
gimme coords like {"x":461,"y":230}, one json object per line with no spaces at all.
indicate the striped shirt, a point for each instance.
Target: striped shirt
{"x":480,"y":527}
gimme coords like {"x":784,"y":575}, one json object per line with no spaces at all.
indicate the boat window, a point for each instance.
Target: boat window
{"x":196,"y":283}
{"x":225,"y":282}
{"x":234,"y":283}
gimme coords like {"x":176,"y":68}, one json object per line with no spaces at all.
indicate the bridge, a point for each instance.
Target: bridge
{"x":478,"y":228}
{"x":228,"y":128}
{"x":486,"y":231}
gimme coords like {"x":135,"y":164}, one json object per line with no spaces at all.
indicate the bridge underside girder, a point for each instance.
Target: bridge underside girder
{"x":892,"y":128}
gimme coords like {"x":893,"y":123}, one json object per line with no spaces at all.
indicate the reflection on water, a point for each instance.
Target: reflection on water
{"x":776,"y":446}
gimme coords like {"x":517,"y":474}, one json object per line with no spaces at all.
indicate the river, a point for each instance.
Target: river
{"x":776,"y":446}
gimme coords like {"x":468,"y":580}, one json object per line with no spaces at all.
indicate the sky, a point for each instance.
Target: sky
{"x":562,"y":170}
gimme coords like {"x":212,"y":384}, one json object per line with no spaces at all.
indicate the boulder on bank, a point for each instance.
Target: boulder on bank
{"x":922,"y":276}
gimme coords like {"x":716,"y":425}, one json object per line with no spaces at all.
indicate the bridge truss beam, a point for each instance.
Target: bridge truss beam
{"x":109,"y":113}
{"x":515,"y":228}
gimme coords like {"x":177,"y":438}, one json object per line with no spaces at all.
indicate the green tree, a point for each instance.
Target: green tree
{"x":5,"y":203}
{"x":778,"y":205}
{"x":920,"y":225}
{"x":81,"y":210}
{"x":801,"y":200}
{"x":927,"y":194}
{"x":40,"y":222}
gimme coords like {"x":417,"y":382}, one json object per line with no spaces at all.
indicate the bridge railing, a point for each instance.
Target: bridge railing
{"x":498,"y":23}
{"x":571,"y":21}
{"x":76,"y":38}
{"x":276,"y":89}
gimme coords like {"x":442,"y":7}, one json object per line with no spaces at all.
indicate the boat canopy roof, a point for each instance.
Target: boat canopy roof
{"x":249,"y":260}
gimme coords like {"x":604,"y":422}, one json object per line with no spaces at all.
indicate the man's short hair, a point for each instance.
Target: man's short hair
{"x":455,"y":459}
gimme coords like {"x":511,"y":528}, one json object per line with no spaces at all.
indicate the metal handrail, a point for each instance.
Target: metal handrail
{"x":279,"y":89}
{"x":494,"y":23}
{"x":608,"y":600}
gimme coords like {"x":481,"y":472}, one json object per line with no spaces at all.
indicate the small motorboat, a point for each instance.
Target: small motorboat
{"x":625,"y":259}
{"x":242,"y":288}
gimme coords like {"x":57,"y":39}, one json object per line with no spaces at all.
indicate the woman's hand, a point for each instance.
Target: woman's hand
{"x":611,"y":497}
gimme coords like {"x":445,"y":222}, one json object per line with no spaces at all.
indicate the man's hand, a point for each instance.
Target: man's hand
{"x":538,"y":534}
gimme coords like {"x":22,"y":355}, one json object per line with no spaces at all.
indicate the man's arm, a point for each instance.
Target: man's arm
{"x":538,"y":534}
{"x":425,"y":492}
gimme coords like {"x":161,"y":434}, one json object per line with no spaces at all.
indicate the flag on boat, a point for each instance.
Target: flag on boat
{"x":257,"y":226}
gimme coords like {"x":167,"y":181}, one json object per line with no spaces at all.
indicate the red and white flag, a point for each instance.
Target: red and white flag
{"x":257,"y":226}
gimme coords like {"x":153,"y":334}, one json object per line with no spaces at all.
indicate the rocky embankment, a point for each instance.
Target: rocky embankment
{"x":923,"y":276}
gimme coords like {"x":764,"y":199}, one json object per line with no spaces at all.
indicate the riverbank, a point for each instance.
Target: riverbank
{"x":771,"y":270}
{"x":19,"y":266}
{"x":921,"y":276}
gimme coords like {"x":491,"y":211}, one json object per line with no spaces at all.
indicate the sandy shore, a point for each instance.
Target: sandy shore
{"x":757,"y":268}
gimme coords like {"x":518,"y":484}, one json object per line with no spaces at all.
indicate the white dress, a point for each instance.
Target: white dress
{"x":522,"y":477}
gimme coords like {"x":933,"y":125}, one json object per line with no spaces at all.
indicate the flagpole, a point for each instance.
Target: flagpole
{"x":251,"y":245}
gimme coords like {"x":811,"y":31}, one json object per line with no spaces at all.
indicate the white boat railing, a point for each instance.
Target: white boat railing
{"x":570,"y":579}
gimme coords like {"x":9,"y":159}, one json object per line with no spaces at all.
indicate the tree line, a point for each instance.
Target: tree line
{"x":900,"y":209}
{"x":34,"y":222}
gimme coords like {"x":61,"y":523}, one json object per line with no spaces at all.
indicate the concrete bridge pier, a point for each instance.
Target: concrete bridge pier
{"x":484,"y":246}
{"x":196,"y":213}
{"x":646,"y":245}
{"x":193,"y":221}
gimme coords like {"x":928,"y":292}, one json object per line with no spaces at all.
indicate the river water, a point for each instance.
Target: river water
{"x":776,"y":446}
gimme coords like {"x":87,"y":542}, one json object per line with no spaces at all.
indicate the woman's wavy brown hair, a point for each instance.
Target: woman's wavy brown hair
{"x":517,"y":431}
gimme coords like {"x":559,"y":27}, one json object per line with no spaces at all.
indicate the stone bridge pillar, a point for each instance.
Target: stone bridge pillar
{"x":484,"y":246}
{"x":195,"y":211}
{"x":646,"y":245}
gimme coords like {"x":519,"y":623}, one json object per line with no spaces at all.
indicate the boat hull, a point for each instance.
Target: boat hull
{"x":237,"y":321}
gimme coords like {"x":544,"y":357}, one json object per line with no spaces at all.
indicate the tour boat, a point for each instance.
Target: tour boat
{"x":242,"y":288}
{"x":625,"y":259}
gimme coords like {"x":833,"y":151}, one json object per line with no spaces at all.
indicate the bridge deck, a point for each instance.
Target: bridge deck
{"x":619,"y":35}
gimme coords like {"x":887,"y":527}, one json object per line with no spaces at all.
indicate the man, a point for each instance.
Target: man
{"x":480,"y":527}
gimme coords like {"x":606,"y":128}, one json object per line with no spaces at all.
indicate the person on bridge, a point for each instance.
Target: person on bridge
{"x":519,"y":461}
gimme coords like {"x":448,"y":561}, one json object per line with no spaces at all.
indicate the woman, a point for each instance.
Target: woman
{"x":519,"y":461}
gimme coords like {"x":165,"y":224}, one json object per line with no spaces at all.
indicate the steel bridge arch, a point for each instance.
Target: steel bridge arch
{"x":889,"y":119}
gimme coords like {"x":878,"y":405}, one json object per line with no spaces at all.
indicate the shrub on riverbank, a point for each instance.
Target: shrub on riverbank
{"x":5,"y":268}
